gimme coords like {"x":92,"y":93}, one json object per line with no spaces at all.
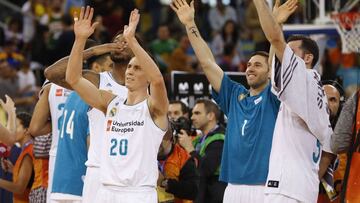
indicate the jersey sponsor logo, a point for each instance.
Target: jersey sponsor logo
{"x":59,"y":92}
{"x":123,"y":127}
{"x":273,"y":183}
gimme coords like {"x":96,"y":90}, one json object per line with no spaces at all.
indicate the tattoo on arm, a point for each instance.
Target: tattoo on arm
{"x":194,"y":31}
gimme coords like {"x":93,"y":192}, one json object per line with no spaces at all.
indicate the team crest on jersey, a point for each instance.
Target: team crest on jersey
{"x":112,"y":112}
{"x":241,"y":97}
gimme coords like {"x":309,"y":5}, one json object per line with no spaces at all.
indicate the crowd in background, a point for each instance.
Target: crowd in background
{"x":42,"y":33}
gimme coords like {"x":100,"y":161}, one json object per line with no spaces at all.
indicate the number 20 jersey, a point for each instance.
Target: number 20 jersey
{"x":131,"y":145}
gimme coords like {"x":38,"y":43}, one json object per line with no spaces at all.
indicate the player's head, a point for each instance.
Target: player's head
{"x":258,"y":70}
{"x":22,"y":124}
{"x":305,"y":48}
{"x":177,"y":109}
{"x":100,"y":63}
{"x":135,"y":77}
{"x":335,"y":97}
{"x":124,"y":55}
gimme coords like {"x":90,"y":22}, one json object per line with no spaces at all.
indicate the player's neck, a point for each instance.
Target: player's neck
{"x":118,"y":73}
{"x":257,"y":90}
{"x":136,"y":96}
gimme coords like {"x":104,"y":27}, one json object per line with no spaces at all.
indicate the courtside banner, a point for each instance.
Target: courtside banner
{"x":188,"y":87}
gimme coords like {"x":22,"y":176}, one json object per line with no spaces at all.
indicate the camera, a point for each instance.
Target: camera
{"x":182,"y":123}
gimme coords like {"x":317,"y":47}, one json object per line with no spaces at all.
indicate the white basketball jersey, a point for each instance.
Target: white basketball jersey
{"x":132,"y":140}
{"x":302,"y":130}
{"x":57,"y":98}
{"x":97,"y":119}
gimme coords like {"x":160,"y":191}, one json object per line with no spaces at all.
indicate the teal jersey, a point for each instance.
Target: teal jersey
{"x":249,"y":133}
{"x":72,"y":147}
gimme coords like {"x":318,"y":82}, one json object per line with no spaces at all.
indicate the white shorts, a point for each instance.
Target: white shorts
{"x":91,"y":184}
{"x":279,"y":198}
{"x":244,"y":193}
{"x":113,"y":194}
{"x":51,"y":175}
{"x":64,"y":198}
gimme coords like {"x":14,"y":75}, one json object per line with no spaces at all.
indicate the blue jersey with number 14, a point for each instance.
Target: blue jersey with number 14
{"x":72,"y":147}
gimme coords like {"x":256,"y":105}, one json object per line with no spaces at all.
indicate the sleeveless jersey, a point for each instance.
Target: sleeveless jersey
{"x":131,"y":144}
{"x":97,"y":119}
{"x":72,"y":148}
{"x":57,"y":97}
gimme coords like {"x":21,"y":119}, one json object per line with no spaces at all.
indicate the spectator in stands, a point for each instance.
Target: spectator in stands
{"x":8,"y":80}
{"x":11,"y":54}
{"x":13,"y":31}
{"x":207,"y":149}
{"x":162,"y":47}
{"x":230,"y":61}
{"x":253,"y":24}
{"x":346,"y":140}
{"x":229,"y":35}
{"x":180,"y":60}
{"x":220,"y":14}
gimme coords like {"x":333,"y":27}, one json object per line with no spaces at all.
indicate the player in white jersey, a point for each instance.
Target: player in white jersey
{"x":135,"y":127}
{"x":302,"y":128}
{"x":50,"y":105}
{"x":112,"y":81}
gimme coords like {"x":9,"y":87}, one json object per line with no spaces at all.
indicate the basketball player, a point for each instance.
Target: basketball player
{"x":244,"y":164}
{"x":111,"y":81}
{"x":302,"y":127}
{"x":72,"y":147}
{"x":134,"y":127}
{"x":50,"y":104}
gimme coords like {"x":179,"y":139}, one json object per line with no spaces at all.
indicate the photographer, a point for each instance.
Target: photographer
{"x":178,"y":173}
{"x":207,"y":149}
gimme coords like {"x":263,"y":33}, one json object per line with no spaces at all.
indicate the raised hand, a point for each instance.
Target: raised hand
{"x":184,"y":12}
{"x":282,"y":12}
{"x":9,"y":105}
{"x":129,"y":30}
{"x":83,"y":27}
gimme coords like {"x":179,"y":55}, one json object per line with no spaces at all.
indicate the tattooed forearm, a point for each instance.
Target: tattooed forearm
{"x":194,"y":31}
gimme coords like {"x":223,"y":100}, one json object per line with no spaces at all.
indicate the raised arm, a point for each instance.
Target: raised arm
{"x":203,"y":53}
{"x":83,"y":28}
{"x":158,"y":101}
{"x":271,"y":28}
{"x":281,"y":13}
{"x":7,"y":135}
{"x":40,"y":123}
{"x":56,"y":72}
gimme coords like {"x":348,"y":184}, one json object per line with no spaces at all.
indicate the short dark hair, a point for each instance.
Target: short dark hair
{"x":261,"y":53}
{"x":184,"y":108}
{"x":210,"y":106}
{"x":307,"y":45}
{"x":24,"y":118}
